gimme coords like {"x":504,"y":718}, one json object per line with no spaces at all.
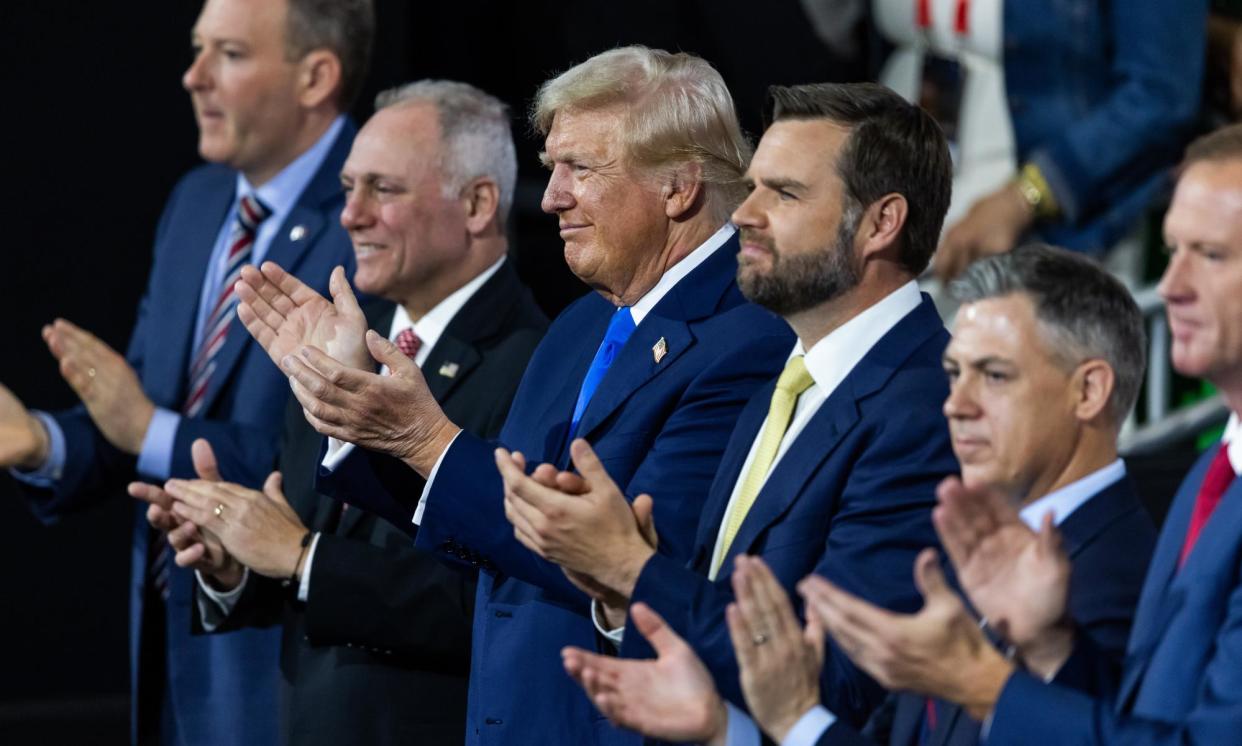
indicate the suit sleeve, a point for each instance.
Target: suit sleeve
{"x":393,"y":598}
{"x":465,"y":521}
{"x":1030,"y":712}
{"x":872,"y":534}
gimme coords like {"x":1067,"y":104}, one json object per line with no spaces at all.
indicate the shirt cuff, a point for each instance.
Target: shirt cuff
{"x":810,"y":727}
{"x":337,"y":451}
{"x":431,"y":479}
{"x":54,"y":465}
{"x":615,"y":636}
{"x":155,"y":458}
{"x":742,"y":731}
{"x":215,"y":606}
{"x":304,"y":583}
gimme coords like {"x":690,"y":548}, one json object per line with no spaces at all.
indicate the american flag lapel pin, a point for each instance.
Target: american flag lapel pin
{"x":659,"y":350}
{"x":449,"y":370}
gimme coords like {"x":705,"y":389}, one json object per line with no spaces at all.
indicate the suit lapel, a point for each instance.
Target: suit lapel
{"x":1158,"y":601}
{"x":695,"y":296}
{"x":1096,"y":514}
{"x":311,"y":214}
{"x":195,"y":240}
{"x":835,"y":417}
{"x":744,"y":435}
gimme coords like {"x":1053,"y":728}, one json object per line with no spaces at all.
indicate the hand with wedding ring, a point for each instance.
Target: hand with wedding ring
{"x":104,"y":381}
{"x":779,"y":662}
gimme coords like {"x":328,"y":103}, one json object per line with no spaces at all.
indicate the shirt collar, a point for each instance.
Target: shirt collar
{"x":433,"y":323}
{"x":675,"y":273}
{"x":1232,"y":431}
{"x":1066,"y":500}
{"x":281,"y":192}
{"x":832,"y":358}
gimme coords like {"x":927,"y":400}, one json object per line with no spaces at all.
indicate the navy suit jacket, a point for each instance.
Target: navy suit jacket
{"x":658,"y":426}
{"x":1181,"y":681}
{"x":850,"y":500}
{"x":1109,"y":540}
{"x":222,"y":687}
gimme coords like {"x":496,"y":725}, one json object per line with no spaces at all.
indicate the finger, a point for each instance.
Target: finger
{"x":748,"y":602}
{"x":773,"y":600}
{"x":743,"y":639}
{"x":316,"y":394}
{"x":190,"y":556}
{"x":389,"y":354}
{"x":255,"y":291}
{"x":519,"y":460}
{"x":928,"y":577}
{"x":204,"y":460}
{"x":840,"y":609}
{"x":523,"y":489}
{"x":161,"y":519}
{"x":150,"y":493}
{"x":186,"y":512}
{"x":815,"y":637}
{"x":657,"y":632}
{"x":183,"y":536}
{"x":338,"y":375}
{"x":570,"y":483}
{"x":644,"y":515}
{"x":589,"y":465}
{"x":284,"y":291}
{"x":272,"y":488}
{"x":343,"y":295}
{"x":545,"y":474}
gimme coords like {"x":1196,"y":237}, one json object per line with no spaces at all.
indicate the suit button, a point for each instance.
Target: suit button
{"x":494,"y":721}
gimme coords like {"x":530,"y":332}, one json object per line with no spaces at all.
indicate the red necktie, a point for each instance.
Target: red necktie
{"x":408,"y":342}
{"x":1219,"y":476}
{"x":250,"y":213}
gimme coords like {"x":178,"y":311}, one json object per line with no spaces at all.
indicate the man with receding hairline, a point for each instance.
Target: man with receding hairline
{"x":269,"y":83}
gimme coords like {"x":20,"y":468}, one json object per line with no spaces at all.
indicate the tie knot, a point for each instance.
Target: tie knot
{"x":251,"y":212}
{"x":408,"y":342}
{"x":795,"y":378}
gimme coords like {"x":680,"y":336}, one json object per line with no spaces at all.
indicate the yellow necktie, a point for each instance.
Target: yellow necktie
{"x":793,"y":381}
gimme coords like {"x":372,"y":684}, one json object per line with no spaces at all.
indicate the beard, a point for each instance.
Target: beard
{"x":798,"y":282}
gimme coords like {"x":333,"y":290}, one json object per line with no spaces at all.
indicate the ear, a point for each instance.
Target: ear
{"x":481,"y":200}
{"x":681,"y":190}
{"x":1093,"y":383}
{"x":881,"y":224}
{"x":319,"y":78}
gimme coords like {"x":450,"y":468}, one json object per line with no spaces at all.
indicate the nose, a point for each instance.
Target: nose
{"x":748,"y":214}
{"x":196,"y":77}
{"x":558,"y":196}
{"x":960,"y":404}
{"x":1174,"y":285}
{"x":356,"y":213}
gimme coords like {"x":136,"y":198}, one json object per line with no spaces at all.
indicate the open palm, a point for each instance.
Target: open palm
{"x":284,"y":315}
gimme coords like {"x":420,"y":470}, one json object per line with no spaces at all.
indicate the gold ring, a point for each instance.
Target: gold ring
{"x":759,"y":639}
{"x":219,"y":511}
{"x":90,"y":372}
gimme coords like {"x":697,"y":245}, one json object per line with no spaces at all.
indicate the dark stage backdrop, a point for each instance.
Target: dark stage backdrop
{"x":97,"y":131}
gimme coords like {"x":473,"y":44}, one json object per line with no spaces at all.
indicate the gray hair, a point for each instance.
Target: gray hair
{"x":677,"y":111}
{"x":475,"y":132}
{"x":1085,"y":312}
{"x":344,"y":27}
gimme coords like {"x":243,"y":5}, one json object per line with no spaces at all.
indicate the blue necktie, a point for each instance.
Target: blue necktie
{"x":619,"y":330}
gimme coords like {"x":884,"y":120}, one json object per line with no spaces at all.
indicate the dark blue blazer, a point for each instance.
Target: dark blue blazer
{"x":222,"y":687}
{"x":850,"y":500}
{"x":1181,"y":681}
{"x":658,"y":426}
{"x":1109,"y":540}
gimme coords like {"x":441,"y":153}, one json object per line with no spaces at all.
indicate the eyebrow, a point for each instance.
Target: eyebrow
{"x":783,"y":183}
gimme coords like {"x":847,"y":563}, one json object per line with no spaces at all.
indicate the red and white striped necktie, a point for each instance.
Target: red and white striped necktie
{"x":250,"y":213}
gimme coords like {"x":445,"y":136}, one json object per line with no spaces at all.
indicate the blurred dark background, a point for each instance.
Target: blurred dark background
{"x":99,"y":129}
